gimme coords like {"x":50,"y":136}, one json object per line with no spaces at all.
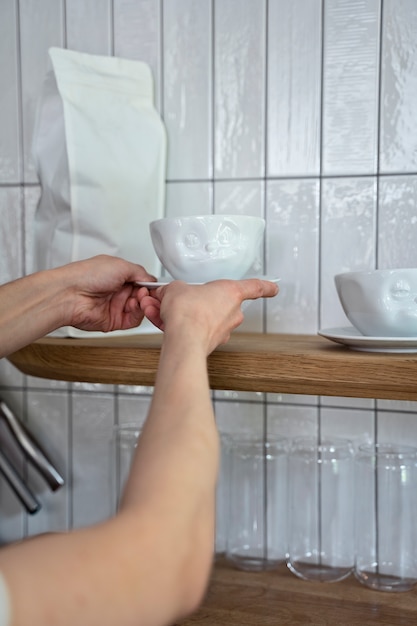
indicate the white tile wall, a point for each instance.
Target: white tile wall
{"x":13,"y":522}
{"x":91,"y":458}
{"x":294,"y":87}
{"x":239,"y":88}
{"x":40,"y":25}
{"x":55,"y":421}
{"x":292,"y":253}
{"x":10,"y":134}
{"x":301,"y":111}
{"x":398,"y":88}
{"x":187,"y":96}
{"x":137,"y":33}
{"x":350,"y":86}
{"x":348,"y":237}
{"x":89,"y":26}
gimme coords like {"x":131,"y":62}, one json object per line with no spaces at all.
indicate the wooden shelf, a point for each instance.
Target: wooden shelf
{"x":239,"y":598}
{"x":301,"y":364}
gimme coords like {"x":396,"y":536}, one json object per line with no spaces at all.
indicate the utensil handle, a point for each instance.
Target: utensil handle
{"x":26,"y":497}
{"x":31,"y":448}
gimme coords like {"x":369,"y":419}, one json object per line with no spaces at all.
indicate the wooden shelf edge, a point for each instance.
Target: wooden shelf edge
{"x":294,"y":364}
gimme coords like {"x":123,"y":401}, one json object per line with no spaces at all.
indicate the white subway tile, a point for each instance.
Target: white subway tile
{"x":347,"y":423}
{"x":135,"y":389}
{"x":137,"y":35}
{"x":397,"y":224}
{"x":398,"y":428}
{"x":244,"y":197}
{"x":294,"y":88}
{"x":12,"y":524}
{"x":292,"y":253}
{"x":41,"y":26}
{"x":31,"y":197}
{"x":399,"y":87}
{"x":47,"y":383}
{"x":238,"y":396}
{"x":292,"y":398}
{"x":92,"y":464}
{"x":347,"y":238}
{"x":92,"y":387}
{"x":350,"y":86}
{"x":10,"y":133}
{"x":239,"y":88}
{"x":187,"y":88}
{"x":397,"y":405}
{"x":89,"y":26}
{"x":240,"y":197}
{"x":133,"y":409}
{"x":189,"y":198}
{"x":292,"y":421}
{"x":132,"y":412}
{"x":10,"y":376}
{"x":236,"y":419}
{"x":13,"y":516}
{"x":48,"y":421}
{"x":354,"y":403}
{"x":11,"y":233}
{"x":222,"y":498}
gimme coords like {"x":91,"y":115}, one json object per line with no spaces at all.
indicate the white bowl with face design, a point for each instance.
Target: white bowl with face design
{"x":208,"y":247}
{"x":380,"y":303}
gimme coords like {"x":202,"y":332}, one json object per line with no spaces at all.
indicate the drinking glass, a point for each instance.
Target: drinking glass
{"x":386,"y":516}
{"x":222,"y":496}
{"x":122,"y":448}
{"x":256,"y":529}
{"x":321,"y":509}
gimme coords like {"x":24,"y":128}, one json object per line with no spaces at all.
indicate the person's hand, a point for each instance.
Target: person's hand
{"x":209,"y":312}
{"x":104,"y":293}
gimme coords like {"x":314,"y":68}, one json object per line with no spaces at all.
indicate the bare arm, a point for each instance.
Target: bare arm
{"x":96,"y":294}
{"x":150,"y":564}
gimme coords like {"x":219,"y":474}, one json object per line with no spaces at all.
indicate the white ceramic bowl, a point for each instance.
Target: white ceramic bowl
{"x":207,"y":247}
{"x":380,"y":303}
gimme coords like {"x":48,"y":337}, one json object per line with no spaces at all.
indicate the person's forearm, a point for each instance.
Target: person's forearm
{"x":30,"y":307}
{"x":180,"y":424}
{"x":174,"y":474}
{"x":150,"y":564}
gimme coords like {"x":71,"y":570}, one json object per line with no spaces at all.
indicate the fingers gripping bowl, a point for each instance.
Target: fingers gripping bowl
{"x":207,"y":247}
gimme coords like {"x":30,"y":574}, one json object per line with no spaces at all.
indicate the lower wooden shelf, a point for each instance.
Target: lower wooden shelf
{"x":237,"y":598}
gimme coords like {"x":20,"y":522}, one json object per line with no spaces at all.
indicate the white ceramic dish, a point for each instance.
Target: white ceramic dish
{"x":161,"y":282}
{"x":380,"y":303}
{"x":202,"y":248}
{"x":349,"y":336}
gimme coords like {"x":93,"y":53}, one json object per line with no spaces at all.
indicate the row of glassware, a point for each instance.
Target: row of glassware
{"x":322,"y":507}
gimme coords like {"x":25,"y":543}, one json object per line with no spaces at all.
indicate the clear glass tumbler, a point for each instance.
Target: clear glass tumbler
{"x":123,"y":445}
{"x":256,"y":535}
{"x":222,"y":496}
{"x":386,"y":517}
{"x":321,"y":509}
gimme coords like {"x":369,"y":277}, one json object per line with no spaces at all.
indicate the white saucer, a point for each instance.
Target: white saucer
{"x":352,"y":338}
{"x":165,"y":280}
{"x":161,"y":282}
